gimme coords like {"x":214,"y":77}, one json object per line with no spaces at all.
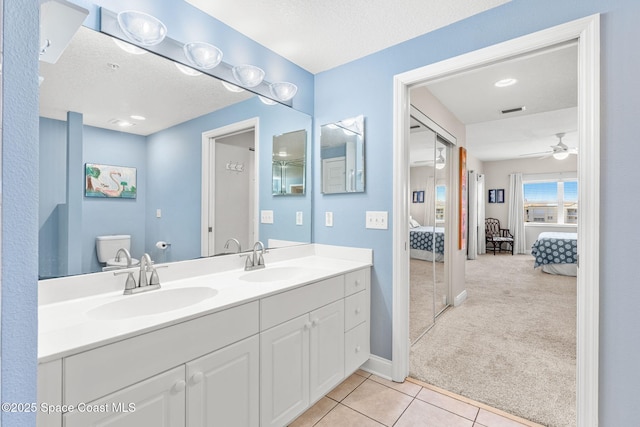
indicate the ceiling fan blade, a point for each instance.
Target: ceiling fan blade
{"x":536,"y":154}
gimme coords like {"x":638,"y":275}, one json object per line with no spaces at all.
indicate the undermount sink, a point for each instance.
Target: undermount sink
{"x":152,"y":302}
{"x":274,"y":274}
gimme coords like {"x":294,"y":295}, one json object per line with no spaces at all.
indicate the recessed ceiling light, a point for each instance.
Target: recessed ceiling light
{"x":505,"y":82}
{"x":134,"y":117}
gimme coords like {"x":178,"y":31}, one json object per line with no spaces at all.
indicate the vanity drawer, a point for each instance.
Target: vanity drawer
{"x":98,"y":372}
{"x":279,"y":308}
{"x":356,"y":281}
{"x":356,"y":347}
{"x":356,"y":310}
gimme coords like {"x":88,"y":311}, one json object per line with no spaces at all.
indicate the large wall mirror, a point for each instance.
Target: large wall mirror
{"x":107,"y":103}
{"x":342,"y":156}
{"x":288,"y":163}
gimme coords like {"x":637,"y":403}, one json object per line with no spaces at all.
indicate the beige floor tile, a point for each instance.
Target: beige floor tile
{"x":379,"y":402}
{"x":346,"y":387}
{"x":341,"y":416}
{"x":315,"y":413}
{"x":422,"y":414}
{"x":490,"y":419}
{"x":449,"y":403}
{"x":363,"y":373}
{"x":406,"y":387}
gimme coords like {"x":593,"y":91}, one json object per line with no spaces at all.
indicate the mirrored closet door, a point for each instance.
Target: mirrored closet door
{"x":429,"y":186}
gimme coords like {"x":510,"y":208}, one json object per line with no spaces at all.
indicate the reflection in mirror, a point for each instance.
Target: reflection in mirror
{"x":288,"y":160}
{"x":342,"y":155}
{"x":430,"y":188}
{"x":100,"y":104}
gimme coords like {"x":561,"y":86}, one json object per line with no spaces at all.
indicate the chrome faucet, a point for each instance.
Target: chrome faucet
{"x":254,"y":260}
{"x":144,"y":284}
{"x":226,"y":245}
{"x":127,"y":255}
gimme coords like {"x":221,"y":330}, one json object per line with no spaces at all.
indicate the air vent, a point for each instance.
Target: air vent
{"x":514,"y":110}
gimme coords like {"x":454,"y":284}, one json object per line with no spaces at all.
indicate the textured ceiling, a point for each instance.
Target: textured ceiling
{"x":320,"y":35}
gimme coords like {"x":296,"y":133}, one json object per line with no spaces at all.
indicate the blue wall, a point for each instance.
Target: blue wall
{"x":343,"y":92}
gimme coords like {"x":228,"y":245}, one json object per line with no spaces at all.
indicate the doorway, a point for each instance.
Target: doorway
{"x":229,"y":189}
{"x":586,"y":32}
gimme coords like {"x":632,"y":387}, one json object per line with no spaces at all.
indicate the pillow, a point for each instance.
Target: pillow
{"x":413,"y":223}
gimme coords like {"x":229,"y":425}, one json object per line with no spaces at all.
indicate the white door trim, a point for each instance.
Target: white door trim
{"x":587,"y":32}
{"x":208,"y":169}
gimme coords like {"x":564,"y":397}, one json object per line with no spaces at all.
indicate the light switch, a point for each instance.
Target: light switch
{"x":266,"y":217}
{"x":328,"y":219}
{"x":377,"y":220}
{"x":298,"y":218}
{"x":158,"y":213}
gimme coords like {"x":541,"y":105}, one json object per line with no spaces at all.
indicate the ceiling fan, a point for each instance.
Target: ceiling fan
{"x":559,"y":151}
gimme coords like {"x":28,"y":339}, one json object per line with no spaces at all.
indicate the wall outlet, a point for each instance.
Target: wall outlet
{"x":377,"y":220}
{"x":328,"y":219}
{"x":298,"y":218}
{"x":266,"y":217}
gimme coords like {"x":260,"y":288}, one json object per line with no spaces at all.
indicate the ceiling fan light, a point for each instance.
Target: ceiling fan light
{"x":560,"y":155}
{"x":248,"y":75}
{"x":142,"y":28}
{"x":440,"y":162}
{"x":202,"y":55}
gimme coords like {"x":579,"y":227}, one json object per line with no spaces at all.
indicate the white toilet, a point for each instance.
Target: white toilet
{"x":108,"y":246}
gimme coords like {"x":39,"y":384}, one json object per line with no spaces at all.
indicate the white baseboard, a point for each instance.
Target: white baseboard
{"x":462,"y":297}
{"x":378,"y":366}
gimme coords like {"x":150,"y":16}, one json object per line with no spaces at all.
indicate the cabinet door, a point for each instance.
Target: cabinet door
{"x":158,"y":401}
{"x":223,"y":387}
{"x":284,"y":371}
{"x":326,"y":357}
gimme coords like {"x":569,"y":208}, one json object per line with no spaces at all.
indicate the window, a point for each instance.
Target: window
{"x":551,"y":202}
{"x":441,"y":192}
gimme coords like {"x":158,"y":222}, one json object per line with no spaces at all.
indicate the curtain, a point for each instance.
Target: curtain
{"x":516,"y":213}
{"x":481,"y":234}
{"x":472,"y":246}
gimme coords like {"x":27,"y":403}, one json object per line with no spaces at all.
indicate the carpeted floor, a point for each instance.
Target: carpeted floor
{"x":422,"y":308}
{"x":511,"y":345}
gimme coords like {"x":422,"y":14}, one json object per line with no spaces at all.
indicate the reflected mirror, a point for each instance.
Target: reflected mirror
{"x":288,"y":163}
{"x":342,"y":156}
{"x":131,"y":110}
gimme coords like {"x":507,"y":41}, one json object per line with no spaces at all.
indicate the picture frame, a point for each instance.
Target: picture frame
{"x":418,"y":196}
{"x":492,"y":196}
{"x":500,"y":195}
{"x":462,"y":207}
{"x":108,"y":181}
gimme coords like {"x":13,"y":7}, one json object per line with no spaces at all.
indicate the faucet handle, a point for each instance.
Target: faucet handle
{"x":155,"y":279}
{"x":130,"y":284}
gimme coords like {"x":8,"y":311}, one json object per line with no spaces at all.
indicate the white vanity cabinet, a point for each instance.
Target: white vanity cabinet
{"x":302,"y":343}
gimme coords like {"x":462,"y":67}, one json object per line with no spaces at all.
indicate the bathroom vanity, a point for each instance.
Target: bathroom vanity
{"x":215,"y":346}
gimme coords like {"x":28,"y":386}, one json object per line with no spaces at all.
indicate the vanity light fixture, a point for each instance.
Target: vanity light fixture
{"x":203,"y":55}
{"x":506,"y":82}
{"x":142,"y":28}
{"x":248,"y":75}
{"x":267,"y":101}
{"x":440,"y":162}
{"x":129,"y":48}
{"x":231,"y":88}
{"x":187,"y":70}
{"x":283,"y":91}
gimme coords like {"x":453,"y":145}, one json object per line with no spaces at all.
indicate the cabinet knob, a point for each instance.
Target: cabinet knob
{"x":315,"y":322}
{"x":307,"y":326}
{"x":197,"y":377}
{"x":358,"y":310}
{"x":357,"y":283}
{"x":357,"y":349}
{"x":179,"y":386}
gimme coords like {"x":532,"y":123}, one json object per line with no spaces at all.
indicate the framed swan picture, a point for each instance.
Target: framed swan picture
{"x":110,"y":181}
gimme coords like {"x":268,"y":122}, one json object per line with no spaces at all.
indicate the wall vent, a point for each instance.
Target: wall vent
{"x":514,"y":110}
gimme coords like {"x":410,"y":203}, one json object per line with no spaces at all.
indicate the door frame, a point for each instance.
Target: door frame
{"x":587,"y":32}
{"x":207,"y":209}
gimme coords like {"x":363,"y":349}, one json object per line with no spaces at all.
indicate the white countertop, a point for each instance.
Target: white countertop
{"x":66,"y":326}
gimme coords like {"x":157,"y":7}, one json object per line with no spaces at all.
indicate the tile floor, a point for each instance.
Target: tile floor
{"x":364,"y":400}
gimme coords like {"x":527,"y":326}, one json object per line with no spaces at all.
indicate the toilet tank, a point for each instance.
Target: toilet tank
{"x":107,"y":246}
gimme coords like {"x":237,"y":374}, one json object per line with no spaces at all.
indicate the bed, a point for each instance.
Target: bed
{"x":422,"y":240}
{"x":556,"y":253}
